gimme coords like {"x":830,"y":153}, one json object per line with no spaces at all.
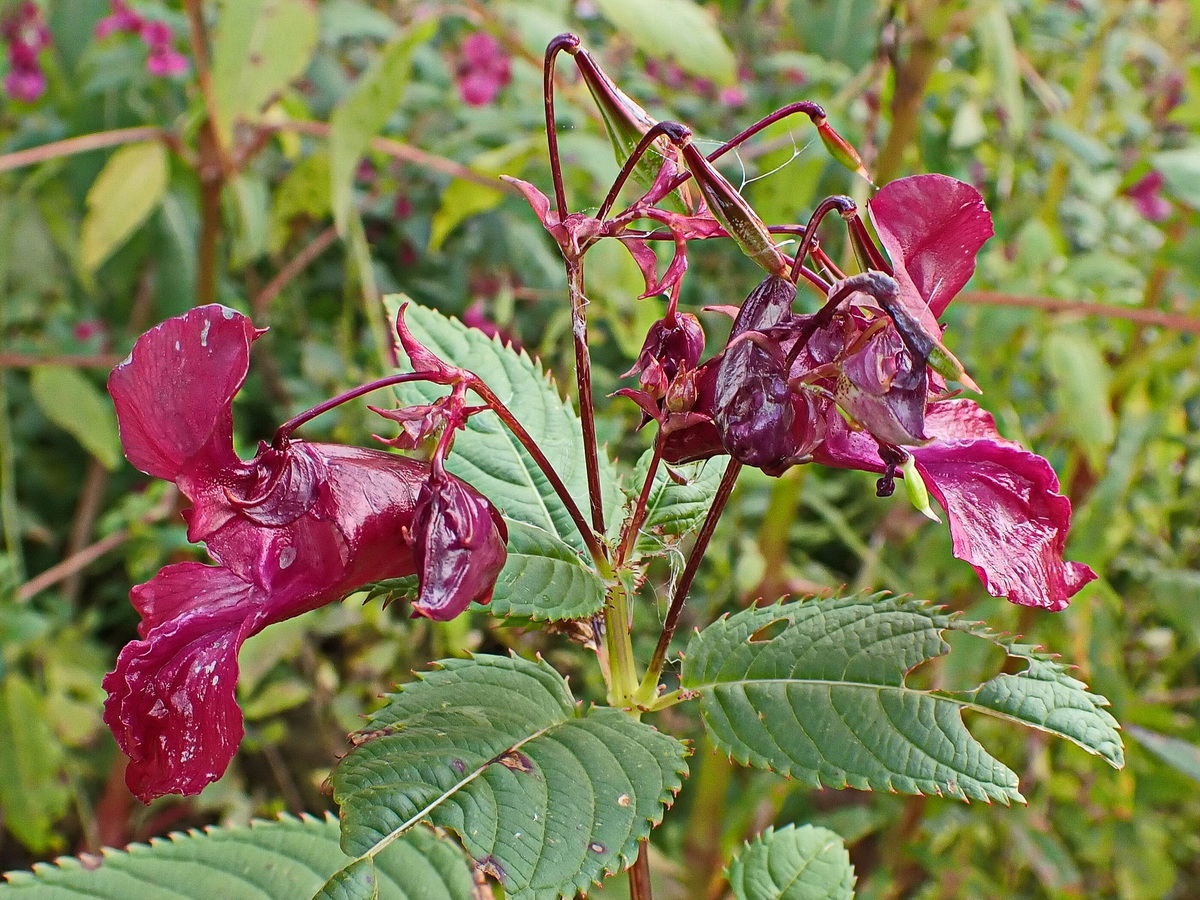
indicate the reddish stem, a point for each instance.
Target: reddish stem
{"x":556,"y":46}
{"x":684,"y":584}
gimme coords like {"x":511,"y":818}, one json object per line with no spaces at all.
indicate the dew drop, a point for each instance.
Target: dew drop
{"x":287,"y":556}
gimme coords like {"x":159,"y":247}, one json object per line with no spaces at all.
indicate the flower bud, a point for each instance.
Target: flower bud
{"x":459,"y":547}
{"x":841,"y":149}
{"x":670,"y":346}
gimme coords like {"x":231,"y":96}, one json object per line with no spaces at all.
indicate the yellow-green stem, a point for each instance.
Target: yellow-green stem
{"x":623,"y":676}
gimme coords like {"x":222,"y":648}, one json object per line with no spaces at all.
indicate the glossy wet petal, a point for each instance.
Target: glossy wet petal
{"x":459,"y":546}
{"x":932,"y":227}
{"x":174,"y":393}
{"x":171,"y":703}
{"x":1007,"y":518}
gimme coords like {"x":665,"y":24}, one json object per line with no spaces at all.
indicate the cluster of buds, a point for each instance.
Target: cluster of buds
{"x":163,"y":59}
{"x":26,"y":36}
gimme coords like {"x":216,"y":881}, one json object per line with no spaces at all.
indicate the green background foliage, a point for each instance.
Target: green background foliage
{"x":345,"y":165}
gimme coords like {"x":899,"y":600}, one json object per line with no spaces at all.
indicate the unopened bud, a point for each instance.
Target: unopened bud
{"x":842,"y":150}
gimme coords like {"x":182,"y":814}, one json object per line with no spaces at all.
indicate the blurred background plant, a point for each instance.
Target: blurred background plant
{"x":297,"y":159}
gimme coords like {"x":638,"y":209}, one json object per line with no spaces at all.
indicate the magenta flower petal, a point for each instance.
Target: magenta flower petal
{"x":174,"y":393}
{"x":1007,"y":518}
{"x":932,"y":226}
{"x":171,"y":703}
{"x":459,"y":545}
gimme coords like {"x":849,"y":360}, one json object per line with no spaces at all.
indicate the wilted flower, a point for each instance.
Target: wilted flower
{"x":673,"y":344}
{"x":459,"y":545}
{"x":484,"y":69}
{"x":298,"y":526}
{"x":782,"y":378}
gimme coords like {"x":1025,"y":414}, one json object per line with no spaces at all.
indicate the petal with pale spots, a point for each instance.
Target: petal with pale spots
{"x":171,"y":698}
{"x":174,"y":394}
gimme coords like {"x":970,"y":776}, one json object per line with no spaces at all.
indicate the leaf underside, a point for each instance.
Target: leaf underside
{"x":495,"y":749}
{"x":805,"y":863}
{"x":286,"y":859}
{"x":824,"y":699}
{"x":486,"y":454}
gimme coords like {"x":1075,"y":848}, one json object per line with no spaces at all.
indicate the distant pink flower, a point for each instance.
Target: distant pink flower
{"x":733,"y":97}
{"x":25,"y":85}
{"x":1146,"y":194}
{"x":166,"y":61}
{"x":484,"y":69}
{"x":162,"y":59}
{"x":122,"y":19}
{"x":26,"y":36}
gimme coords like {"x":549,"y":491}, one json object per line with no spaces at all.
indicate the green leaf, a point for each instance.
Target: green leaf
{"x":806,"y":863}
{"x":1081,"y":392}
{"x":304,"y":191}
{"x":127,"y":190}
{"x":1181,"y":173}
{"x":463,"y":199}
{"x":33,"y":792}
{"x":1181,"y":755}
{"x":358,"y":881}
{"x":76,"y":405}
{"x":259,"y":48}
{"x":364,"y":111}
{"x":673,"y":508}
{"x":678,"y":30}
{"x":486,"y":454}
{"x":287,"y":859}
{"x":815,"y":690}
{"x":495,"y":749}
{"x":544,"y":579}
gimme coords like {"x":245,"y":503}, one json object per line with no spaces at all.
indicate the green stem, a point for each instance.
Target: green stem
{"x":623,"y":680}
{"x":929,"y":23}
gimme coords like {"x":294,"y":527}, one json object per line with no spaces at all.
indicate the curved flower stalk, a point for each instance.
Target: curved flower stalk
{"x":298,"y":526}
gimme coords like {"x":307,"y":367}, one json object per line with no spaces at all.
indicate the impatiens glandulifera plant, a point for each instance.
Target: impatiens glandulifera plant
{"x":518,"y":504}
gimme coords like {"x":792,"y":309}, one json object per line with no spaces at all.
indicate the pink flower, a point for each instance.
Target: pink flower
{"x":298,"y":526}
{"x":1007,"y":518}
{"x":1146,"y":194}
{"x":122,"y":19}
{"x":25,"y":85}
{"x":165,"y":60}
{"x":484,"y":69}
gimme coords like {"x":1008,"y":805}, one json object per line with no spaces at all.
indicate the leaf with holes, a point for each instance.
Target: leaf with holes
{"x":816,"y":690}
{"x":494,"y":748}
{"x":287,"y":859}
{"x":486,"y":454}
{"x":806,"y":863}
